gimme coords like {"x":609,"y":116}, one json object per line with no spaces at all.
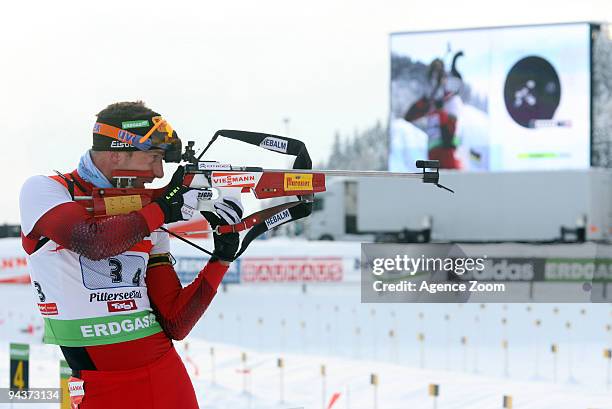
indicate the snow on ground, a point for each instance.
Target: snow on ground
{"x":328,"y":325}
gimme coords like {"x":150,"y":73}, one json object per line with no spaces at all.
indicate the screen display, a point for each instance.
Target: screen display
{"x":499,"y":99}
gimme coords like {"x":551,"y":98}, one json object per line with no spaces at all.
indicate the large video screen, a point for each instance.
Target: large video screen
{"x":511,"y":98}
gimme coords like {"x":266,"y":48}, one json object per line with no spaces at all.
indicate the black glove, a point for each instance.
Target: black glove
{"x":178,"y":201}
{"x":228,"y":211}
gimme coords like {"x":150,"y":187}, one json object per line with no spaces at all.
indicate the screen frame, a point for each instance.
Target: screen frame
{"x":592,"y":27}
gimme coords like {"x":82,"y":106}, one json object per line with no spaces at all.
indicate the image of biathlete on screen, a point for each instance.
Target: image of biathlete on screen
{"x":436,"y":112}
{"x":440,"y":107}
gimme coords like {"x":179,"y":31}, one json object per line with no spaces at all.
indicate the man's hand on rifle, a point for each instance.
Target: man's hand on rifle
{"x":227,"y":211}
{"x":178,"y":201}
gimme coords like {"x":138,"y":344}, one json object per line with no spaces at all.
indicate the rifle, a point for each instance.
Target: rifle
{"x":215,"y":180}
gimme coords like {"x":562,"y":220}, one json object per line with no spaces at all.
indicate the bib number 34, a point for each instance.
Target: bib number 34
{"x":124,"y":270}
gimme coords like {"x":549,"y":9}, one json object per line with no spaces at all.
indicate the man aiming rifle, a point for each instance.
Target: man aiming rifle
{"x":107,"y":290}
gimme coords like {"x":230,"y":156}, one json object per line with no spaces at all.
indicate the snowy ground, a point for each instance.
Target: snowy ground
{"x":328,"y":325}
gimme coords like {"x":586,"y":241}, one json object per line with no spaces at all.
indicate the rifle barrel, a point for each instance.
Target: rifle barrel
{"x":356,"y":173}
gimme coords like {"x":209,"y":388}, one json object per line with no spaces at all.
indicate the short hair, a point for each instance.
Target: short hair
{"x":121,"y":111}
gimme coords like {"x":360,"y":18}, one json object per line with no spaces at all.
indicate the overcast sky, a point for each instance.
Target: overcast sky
{"x":209,"y":65}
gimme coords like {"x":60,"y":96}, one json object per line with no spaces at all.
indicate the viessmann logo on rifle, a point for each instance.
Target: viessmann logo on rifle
{"x":298,"y":181}
{"x":223,"y":179}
